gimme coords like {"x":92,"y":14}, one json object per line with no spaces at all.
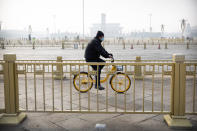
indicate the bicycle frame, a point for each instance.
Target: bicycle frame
{"x":113,"y":69}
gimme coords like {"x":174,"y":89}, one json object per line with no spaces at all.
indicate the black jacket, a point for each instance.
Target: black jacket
{"x":94,"y":49}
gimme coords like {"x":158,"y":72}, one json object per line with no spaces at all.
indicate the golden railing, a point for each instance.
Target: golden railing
{"x":46,"y":71}
{"x":2,"y":107}
{"x":131,"y":86}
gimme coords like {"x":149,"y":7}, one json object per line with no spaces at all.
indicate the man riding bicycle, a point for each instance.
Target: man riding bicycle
{"x":93,"y":52}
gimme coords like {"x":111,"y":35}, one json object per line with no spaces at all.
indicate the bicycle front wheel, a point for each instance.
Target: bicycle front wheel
{"x":82,"y":82}
{"x":120,"y":82}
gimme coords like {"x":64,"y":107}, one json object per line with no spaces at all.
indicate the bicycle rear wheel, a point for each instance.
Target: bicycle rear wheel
{"x":120,"y":82}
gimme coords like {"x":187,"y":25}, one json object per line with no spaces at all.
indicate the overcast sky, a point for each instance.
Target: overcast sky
{"x":133,"y":15}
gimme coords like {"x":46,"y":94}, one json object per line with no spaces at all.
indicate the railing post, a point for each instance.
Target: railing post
{"x":12,"y":114}
{"x":62,"y":44}
{"x":177,"y":117}
{"x":144,"y":45}
{"x":82,"y":46}
{"x":187,"y":45}
{"x":137,"y":68}
{"x":123,"y":44}
{"x":166,"y":46}
{"x":137,"y":42}
{"x":59,"y":71}
{"x":2,"y":45}
{"x":33,"y":44}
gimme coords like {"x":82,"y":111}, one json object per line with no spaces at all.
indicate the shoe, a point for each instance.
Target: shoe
{"x":100,"y":88}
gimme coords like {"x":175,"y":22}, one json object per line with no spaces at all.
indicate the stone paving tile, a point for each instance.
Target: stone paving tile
{"x":35,"y":114}
{"x":73,"y":124}
{"x":194,"y":124}
{"x":135,"y":118}
{"x":58,"y":117}
{"x":116,"y":124}
{"x":158,"y":123}
{"x":87,"y":122}
{"x":153,"y":125}
{"x":39,"y":123}
{"x":192,"y":117}
{"x":159,"y":117}
{"x":97,"y":117}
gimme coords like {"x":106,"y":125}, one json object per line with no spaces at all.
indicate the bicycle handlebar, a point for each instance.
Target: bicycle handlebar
{"x":112,"y":59}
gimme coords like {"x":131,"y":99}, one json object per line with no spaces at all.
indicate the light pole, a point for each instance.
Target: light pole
{"x":150,"y":15}
{"x":47,"y":33}
{"x":54,"y":24}
{"x":183,"y":24}
{"x":29,"y":31}
{"x":0,"y":25}
{"x":83,"y":19}
{"x":162,"y":30}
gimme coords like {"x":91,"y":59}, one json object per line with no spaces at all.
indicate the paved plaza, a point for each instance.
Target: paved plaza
{"x":85,"y":121}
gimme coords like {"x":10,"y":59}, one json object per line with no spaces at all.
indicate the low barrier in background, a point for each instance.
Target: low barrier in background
{"x":131,"y":86}
{"x":77,"y":44}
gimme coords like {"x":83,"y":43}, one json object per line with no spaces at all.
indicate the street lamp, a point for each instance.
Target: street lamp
{"x":0,"y":25}
{"x":29,"y":31}
{"x":183,"y":25}
{"x":47,"y":31}
{"x":83,"y":19}
{"x":150,"y":15}
{"x":162,"y":30}
{"x":54,"y":24}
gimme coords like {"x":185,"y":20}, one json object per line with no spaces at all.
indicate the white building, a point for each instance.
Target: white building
{"x":109,"y":29}
{"x":190,"y":31}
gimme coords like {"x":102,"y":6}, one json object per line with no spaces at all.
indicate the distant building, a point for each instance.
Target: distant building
{"x":194,"y":31}
{"x":187,"y":30}
{"x":109,"y":29}
{"x":13,"y":34}
{"x":190,"y":31}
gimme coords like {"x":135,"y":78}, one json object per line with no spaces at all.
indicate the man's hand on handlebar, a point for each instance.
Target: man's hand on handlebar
{"x":110,"y":55}
{"x":112,"y":58}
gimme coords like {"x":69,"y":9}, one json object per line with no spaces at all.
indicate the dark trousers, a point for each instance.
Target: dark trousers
{"x":100,"y":67}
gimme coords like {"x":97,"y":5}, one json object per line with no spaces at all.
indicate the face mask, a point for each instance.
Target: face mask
{"x":102,"y":39}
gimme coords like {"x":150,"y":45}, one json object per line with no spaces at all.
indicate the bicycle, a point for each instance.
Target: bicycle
{"x":117,"y":80}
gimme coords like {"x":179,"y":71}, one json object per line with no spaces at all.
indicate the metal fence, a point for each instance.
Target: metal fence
{"x":131,"y":86}
{"x":64,"y":81}
{"x":191,"y":97}
{"x":2,"y":105}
